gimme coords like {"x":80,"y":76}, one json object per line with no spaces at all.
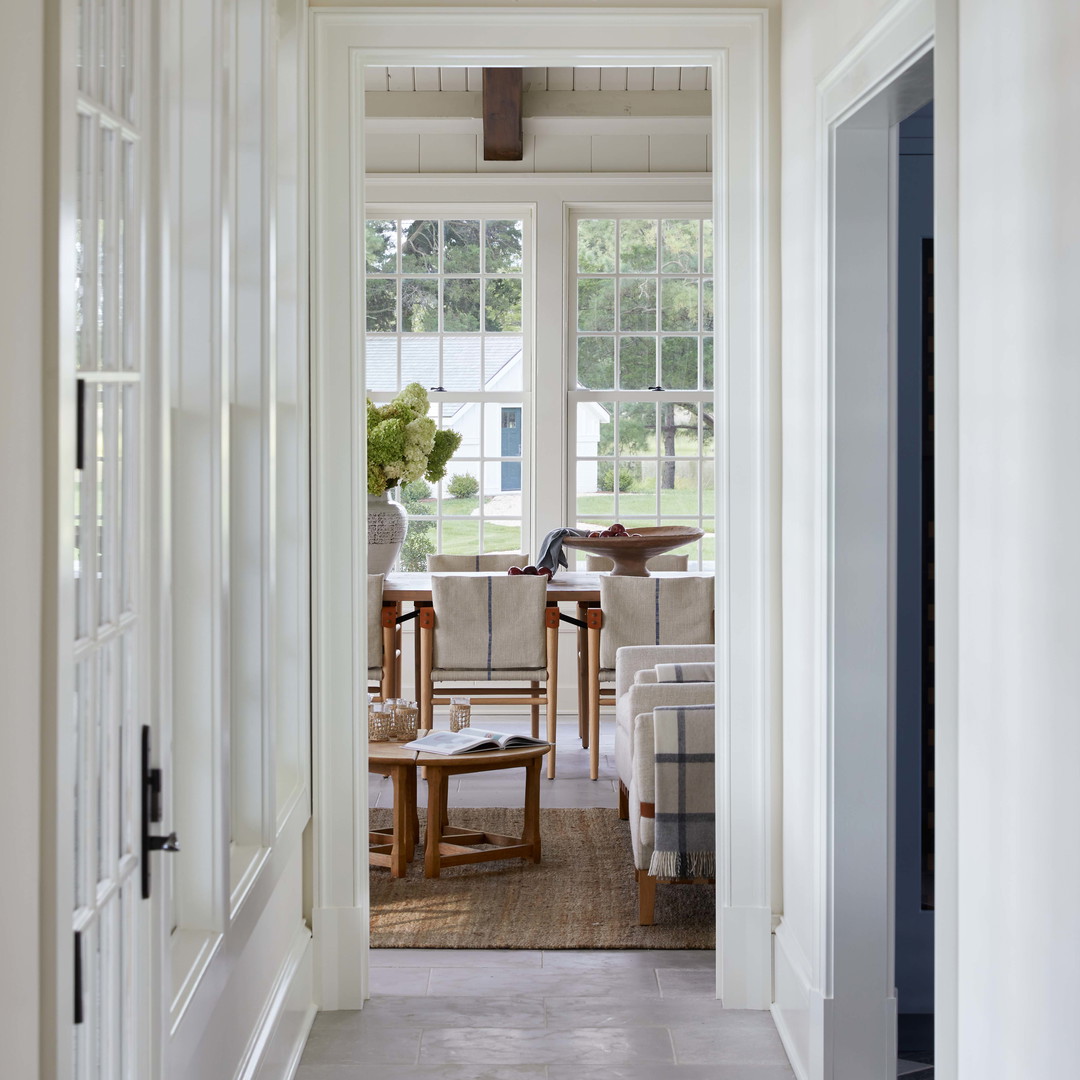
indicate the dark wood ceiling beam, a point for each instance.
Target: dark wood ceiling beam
{"x":502,"y":114}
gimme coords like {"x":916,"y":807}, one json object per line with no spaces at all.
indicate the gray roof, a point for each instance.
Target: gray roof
{"x":420,"y":361}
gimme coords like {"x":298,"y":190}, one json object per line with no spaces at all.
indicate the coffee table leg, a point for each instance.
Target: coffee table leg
{"x":436,"y":800}
{"x":412,"y":832}
{"x":398,"y":857}
{"x":531,"y":831}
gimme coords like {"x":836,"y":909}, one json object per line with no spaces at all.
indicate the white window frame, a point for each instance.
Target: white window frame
{"x":574,"y":396}
{"x":484,"y":210}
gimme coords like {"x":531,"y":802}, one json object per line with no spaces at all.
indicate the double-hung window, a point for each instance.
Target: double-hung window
{"x":641,"y":326}
{"x":448,"y":305}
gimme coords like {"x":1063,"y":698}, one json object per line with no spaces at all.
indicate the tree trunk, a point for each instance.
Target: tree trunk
{"x":667,"y":433}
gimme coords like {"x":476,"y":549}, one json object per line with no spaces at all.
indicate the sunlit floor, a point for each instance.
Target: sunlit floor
{"x":531,"y":1015}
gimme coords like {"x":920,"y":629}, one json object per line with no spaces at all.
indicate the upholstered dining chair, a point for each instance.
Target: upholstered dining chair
{"x":640,"y":611}
{"x":489,"y":564}
{"x":595,"y":564}
{"x":382,"y":641}
{"x":491,"y":629}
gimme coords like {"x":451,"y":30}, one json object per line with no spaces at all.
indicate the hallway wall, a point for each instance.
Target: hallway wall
{"x":816,"y":34}
{"x":22,"y":81}
{"x":1019,"y":575}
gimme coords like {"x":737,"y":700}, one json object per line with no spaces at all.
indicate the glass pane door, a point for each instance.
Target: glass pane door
{"x":105,"y":709}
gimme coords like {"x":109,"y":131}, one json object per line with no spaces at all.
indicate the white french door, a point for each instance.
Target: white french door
{"x":109,"y":917}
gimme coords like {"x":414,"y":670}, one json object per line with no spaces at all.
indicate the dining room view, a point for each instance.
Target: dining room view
{"x":541,"y":478}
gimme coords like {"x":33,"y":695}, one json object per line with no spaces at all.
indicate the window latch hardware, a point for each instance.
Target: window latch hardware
{"x":438,"y":389}
{"x":655,"y":388}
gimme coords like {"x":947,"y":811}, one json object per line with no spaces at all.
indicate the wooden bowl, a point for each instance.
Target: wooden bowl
{"x":630,"y":553}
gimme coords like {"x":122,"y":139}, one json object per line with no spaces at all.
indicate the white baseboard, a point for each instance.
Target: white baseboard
{"x":793,"y":1007}
{"x":340,"y":939}
{"x":277,"y":1043}
{"x":745,"y":954}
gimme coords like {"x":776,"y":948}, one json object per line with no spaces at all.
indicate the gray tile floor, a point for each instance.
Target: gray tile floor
{"x":530,"y":1015}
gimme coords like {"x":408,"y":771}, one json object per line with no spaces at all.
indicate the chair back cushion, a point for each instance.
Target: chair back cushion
{"x":492,"y":564}
{"x":491,"y":623}
{"x":374,"y":620}
{"x":654,"y":611}
{"x":595,"y":564}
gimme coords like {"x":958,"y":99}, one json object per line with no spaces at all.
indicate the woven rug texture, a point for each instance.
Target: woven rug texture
{"x":582,"y":895}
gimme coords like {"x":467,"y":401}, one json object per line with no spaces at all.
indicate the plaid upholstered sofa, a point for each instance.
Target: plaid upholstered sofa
{"x":638,"y":694}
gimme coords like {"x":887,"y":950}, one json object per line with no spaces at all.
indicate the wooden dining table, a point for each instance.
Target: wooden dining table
{"x":578,"y":587}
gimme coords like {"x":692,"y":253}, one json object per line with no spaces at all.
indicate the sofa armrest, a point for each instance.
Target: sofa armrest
{"x":633,"y":658}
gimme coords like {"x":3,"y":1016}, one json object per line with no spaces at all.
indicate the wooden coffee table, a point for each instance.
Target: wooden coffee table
{"x":396,"y":846}
{"x":446,"y":844}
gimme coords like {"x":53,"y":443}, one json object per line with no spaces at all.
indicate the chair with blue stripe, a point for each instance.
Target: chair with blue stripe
{"x":486,"y":632}
{"x":640,"y":611}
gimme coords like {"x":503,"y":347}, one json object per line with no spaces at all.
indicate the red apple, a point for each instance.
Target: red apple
{"x":544,"y":571}
{"x":594,"y":535}
{"x":514,"y":571}
{"x":530,"y":570}
{"x":617,"y":529}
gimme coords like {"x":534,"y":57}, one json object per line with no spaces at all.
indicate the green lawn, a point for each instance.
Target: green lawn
{"x":462,"y":536}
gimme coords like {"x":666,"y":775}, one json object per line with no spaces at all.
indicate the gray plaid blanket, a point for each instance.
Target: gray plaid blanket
{"x":685,"y":845}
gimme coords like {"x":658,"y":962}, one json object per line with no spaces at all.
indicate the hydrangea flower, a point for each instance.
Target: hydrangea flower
{"x":403,"y":443}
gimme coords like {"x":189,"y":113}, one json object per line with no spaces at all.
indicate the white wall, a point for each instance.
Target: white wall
{"x":814,"y":36}
{"x":1011,"y":383}
{"x":22,"y":446}
{"x":1019,"y":520}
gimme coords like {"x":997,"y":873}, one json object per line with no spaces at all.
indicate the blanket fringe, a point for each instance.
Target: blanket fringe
{"x":683,"y":864}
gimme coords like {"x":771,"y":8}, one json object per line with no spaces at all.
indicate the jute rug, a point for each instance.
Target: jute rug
{"x":583,"y":894}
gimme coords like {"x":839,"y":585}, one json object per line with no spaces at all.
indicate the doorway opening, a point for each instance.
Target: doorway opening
{"x":914,"y":705}
{"x":529,"y":303}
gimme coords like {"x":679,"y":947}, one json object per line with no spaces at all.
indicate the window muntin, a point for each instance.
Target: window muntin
{"x":641,"y":371}
{"x":447,"y":307}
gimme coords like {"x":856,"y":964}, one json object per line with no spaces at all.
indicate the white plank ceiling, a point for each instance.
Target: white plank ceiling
{"x":559,"y":78}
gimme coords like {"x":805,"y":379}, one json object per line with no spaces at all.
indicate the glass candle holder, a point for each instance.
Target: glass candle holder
{"x":460,"y":713}
{"x":380,"y":723}
{"x":406,"y":721}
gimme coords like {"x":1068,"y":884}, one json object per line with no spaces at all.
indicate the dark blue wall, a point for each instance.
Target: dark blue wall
{"x":914,"y":926}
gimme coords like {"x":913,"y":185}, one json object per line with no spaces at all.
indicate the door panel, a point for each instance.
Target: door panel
{"x":109,"y":922}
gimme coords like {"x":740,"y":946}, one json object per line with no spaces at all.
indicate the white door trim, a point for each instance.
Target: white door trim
{"x":735,"y":44}
{"x":835,"y":994}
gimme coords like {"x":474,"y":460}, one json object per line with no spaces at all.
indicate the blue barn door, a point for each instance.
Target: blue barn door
{"x":511,"y":447}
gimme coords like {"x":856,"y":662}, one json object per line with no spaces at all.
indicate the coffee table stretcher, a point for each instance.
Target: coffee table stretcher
{"x":449,"y":845}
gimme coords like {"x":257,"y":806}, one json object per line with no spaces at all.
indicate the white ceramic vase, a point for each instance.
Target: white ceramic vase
{"x":387,"y":525}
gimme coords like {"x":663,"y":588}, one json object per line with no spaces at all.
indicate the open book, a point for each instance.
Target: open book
{"x":470,"y":740}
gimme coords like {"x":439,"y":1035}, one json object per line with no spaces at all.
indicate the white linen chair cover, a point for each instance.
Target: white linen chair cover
{"x":492,"y":563}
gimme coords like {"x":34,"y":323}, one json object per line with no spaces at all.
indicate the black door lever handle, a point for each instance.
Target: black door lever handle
{"x":151,"y":812}
{"x":163,"y":843}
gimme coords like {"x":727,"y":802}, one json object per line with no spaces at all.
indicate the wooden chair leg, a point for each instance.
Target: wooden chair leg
{"x":551,"y":692}
{"x":534,"y":711}
{"x":624,"y":802}
{"x":594,"y":693}
{"x":388,"y":683}
{"x":646,"y":897}
{"x":426,"y":690}
{"x":583,"y":679}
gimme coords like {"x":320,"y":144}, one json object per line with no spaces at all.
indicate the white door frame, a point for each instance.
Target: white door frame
{"x":836,"y":1008}
{"x":735,"y":44}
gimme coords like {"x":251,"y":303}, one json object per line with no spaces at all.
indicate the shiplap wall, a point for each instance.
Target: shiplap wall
{"x":606,"y":150}
{"x":457,"y":79}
